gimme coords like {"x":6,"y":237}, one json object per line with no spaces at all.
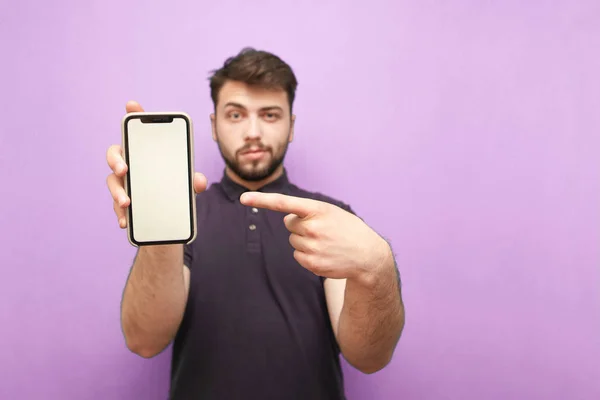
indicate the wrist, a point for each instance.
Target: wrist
{"x":161,"y":253}
{"x":379,"y":270}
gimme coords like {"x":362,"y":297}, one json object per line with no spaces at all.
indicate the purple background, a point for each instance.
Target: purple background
{"x":465,"y":131}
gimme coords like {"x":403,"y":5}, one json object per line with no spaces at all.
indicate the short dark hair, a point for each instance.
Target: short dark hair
{"x":256,"y":68}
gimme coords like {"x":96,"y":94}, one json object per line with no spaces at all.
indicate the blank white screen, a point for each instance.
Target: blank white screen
{"x":159,"y":186}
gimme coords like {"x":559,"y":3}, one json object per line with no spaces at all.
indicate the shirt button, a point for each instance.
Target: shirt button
{"x":252,"y":227}
{"x":254,"y":210}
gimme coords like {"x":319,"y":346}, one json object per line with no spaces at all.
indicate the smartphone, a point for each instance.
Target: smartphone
{"x":158,"y":150}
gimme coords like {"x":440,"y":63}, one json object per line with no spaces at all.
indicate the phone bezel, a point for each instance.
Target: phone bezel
{"x":190,"y":159}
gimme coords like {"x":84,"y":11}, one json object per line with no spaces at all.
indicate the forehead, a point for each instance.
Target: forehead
{"x":251,"y":97}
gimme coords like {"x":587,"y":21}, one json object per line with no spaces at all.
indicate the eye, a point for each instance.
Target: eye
{"x":235,"y":115}
{"x":271,"y":116}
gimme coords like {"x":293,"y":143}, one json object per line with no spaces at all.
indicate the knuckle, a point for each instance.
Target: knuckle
{"x":311,"y":228}
{"x":280,"y":204}
{"x":309,"y":262}
{"x":298,"y":257}
{"x":321,"y":206}
{"x":304,"y":259}
{"x":321,"y":266}
{"x":111,"y":153}
{"x":111,"y":184}
{"x":115,"y":149}
{"x":314,"y":247}
{"x":317,"y":270}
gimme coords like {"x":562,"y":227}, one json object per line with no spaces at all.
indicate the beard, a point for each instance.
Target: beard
{"x":255,"y":173}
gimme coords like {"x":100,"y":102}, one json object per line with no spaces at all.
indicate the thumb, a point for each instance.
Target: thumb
{"x":200,"y":182}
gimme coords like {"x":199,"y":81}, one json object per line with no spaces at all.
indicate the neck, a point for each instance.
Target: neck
{"x":254,"y":185}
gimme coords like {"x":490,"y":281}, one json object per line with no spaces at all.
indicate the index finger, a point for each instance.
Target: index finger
{"x":114,"y":155}
{"x":115,"y":160}
{"x":279,"y":202}
{"x":133,"y":106}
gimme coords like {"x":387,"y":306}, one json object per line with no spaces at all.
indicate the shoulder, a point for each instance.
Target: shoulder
{"x":210,"y":200}
{"x":213,"y":192}
{"x":300,"y":192}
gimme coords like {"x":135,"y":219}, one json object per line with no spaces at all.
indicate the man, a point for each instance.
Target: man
{"x":279,"y":280}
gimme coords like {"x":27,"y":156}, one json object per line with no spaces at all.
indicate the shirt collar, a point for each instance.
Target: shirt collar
{"x":233,"y":190}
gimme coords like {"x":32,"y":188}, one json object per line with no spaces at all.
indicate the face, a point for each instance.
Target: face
{"x":253,"y":128}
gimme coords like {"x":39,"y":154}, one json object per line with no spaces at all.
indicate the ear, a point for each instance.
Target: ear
{"x":291,"y":138}
{"x":213,"y":127}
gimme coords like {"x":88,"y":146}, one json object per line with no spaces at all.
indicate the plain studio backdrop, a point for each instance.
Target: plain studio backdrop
{"x":466,"y":132}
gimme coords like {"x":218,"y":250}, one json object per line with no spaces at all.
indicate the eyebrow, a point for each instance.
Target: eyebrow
{"x":238,"y":105}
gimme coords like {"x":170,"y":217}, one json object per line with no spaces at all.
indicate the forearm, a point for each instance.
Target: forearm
{"x":372,"y":318}
{"x":154,"y":299}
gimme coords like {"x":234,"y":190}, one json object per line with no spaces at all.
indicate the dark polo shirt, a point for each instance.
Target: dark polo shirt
{"x":256,"y":325}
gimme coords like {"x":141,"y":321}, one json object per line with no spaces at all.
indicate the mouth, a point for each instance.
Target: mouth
{"x":254,"y":153}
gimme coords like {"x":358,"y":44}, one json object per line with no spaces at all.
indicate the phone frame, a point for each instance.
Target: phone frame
{"x":126,"y":181}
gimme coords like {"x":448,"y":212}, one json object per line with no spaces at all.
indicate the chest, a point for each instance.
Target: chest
{"x":246,"y":251}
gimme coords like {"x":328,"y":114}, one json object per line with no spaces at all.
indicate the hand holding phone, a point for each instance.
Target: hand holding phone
{"x":163,"y":182}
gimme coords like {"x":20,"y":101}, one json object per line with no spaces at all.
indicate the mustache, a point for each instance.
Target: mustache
{"x":253,"y":147}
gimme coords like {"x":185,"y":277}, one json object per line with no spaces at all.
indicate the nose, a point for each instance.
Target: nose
{"x":254,"y":130}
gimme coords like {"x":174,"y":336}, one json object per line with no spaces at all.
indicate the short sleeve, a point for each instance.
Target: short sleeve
{"x":347,"y":207}
{"x":188,"y":255}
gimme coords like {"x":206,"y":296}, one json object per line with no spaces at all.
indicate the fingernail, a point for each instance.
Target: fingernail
{"x":248,"y":195}
{"x":122,"y":222}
